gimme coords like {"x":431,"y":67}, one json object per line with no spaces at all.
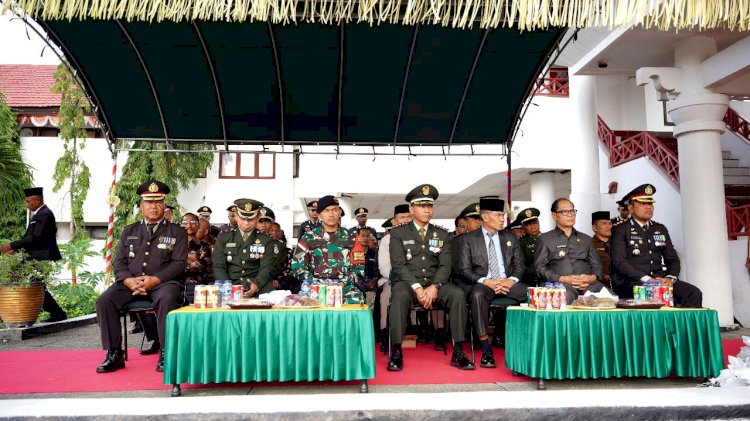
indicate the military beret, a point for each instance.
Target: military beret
{"x":388,"y":224}
{"x":247,"y":208}
{"x":34,"y":191}
{"x":643,"y":194}
{"x":599,"y":216}
{"x":361,"y":211}
{"x":313,"y":204}
{"x":267,"y":213}
{"x":204,"y":210}
{"x":152,"y":190}
{"x":529,"y":215}
{"x":232,"y":208}
{"x":327,"y":201}
{"x":424,"y":193}
{"x":492,"y":204}
{"x":471,"y":211}
{"x":402,"y":208}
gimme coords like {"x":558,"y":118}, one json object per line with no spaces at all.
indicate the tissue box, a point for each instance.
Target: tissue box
{"x":410,"y":341}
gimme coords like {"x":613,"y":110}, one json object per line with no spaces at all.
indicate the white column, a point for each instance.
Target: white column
{"x":346,"y":204}
{"x":698,"y":114}
{"x":542,"y":188}
{"x":584,"y":169}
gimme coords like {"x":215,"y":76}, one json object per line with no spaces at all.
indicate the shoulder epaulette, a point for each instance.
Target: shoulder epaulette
{"x":441,"y":228}
{"x":400,"y":225}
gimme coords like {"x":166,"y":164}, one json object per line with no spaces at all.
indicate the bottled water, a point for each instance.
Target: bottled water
{"x":304,"y":290}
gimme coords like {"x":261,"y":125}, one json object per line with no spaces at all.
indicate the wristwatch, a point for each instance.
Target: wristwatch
{"x":438,"y":285}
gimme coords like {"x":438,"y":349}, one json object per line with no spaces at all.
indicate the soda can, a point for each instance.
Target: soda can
{"x":339,"y":299}
{"x":236,"y":292}
{"x":314,"y":291}
{"x":322,"y":290}
{"x":649,"y":292}
{"x":531,"y":297}
{"x":200,"y":296}
{"x":671,"y":297}
{"x":541,"y":298}
{"x":659,"y":291}
{"x":331,"y":295}
{"x":555,"y":298}
{"x":212,"y":299}
{"x":636,"y":291}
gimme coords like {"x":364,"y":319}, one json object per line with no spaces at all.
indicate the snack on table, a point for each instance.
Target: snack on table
{"x":594,"y":302}
{"x":295,"y":300}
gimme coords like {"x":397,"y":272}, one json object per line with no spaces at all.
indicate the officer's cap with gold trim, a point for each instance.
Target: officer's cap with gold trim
{"x":643,"y":194}
{"x":152,"y":190}
{"x":232,"y":208}
{"x":622,"y":203}
{"x":491,"y":203}
{"x":267,"y":214}
{"x":422,"y":194}
{"x":312,"y":205}
{"x":471,"y":211}
{"x":204,"y":211}
{"x":247,"y":208}
{"x":388,"y":224}
{"x":529,"y":215}
{"x":361,"y":211}
{"x":516,"y":224}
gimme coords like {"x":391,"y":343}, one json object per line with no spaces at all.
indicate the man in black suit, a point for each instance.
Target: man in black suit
{"x":150,"y":262}
{"x":490,"y":265}
{"x":40,"y":242}
{"x":642,"y":251}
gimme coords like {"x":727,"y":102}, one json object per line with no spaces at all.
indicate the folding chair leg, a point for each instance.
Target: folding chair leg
{"x":125,"y":334}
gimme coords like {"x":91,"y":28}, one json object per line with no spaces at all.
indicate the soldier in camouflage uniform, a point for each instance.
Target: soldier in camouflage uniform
{"x":529,"y":219}
{"x":244,"y":254}
{"x":324,"y":253}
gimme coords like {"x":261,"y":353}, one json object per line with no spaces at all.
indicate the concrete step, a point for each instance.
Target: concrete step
{"x":20,"y":334}
{"x":730,"y":162}
{"x":726,"y":154}
{"x":736,"y":171}
{"x":737,"y":179}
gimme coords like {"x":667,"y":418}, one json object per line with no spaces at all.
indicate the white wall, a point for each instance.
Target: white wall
{"x":620,"y":102}
{"x":740,"y":280}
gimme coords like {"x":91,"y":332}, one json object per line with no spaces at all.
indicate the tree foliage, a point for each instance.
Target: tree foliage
{"x":70,"y":166}
{"x":15,"y":175}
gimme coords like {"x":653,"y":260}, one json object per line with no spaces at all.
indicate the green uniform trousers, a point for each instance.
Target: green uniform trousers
{"x":450,"y":297}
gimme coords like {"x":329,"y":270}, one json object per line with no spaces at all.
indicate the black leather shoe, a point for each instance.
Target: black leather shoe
{"x":488,"y":360}
{"x":55,"y":318}
{"x":497,"y":343}
{"x":137,"y":328}
{"x":153,"y":349}
{"x":439,"y":340}
{"x":396,"y":362}
{"x":114,"y":361}
{"x":461,"y":361}
{"x":160,"y":363}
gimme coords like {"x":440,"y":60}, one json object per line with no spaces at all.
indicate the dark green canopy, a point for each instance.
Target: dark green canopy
{"x":251,"y":83}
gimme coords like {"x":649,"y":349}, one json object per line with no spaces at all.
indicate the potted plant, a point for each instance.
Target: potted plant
{"x":22,"y":282}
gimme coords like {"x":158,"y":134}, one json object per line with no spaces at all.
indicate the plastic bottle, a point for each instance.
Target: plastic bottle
{"x":563,"y":297}
{"x":304,"y":290}
{"x":227,"y":293}
{"x":220,"y":287}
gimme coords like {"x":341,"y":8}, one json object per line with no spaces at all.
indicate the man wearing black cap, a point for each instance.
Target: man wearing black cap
{"x":472,"y":215}
{"x":602,"y":227}
{"x":623,"y":212}
{"x":361,"y":215}
{"x":313,"y":222}
{"x":204,"y":212}
{"x":567,"y":255}
{"x":245,"y":255}
{"x":421,"y":268}
{"x":516,"y":228}
{"x":40,"y":242}
{"x":168,"y":211}
{"x":642,"y":251}
{"x":529,"y":220}
{"x":150,"y":263}
{"x":277,"y":249}
{"x":323,"y":254}
{"x":232,"y":217}
{"x":490,"y":266}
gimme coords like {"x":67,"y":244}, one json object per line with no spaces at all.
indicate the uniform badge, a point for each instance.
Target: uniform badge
{"x":562,"y":253}
{"x":131,"y":254}
{"x":636,"y":252}
{"x":153,"y":188}
{"x":528,"y":213}
{"x":425,"y":190}
{"x":508,"y":244}
{"x":229,"y":256}
{"x":649,"y":190}
{"x":408,"y":254}
{"x":275,"y":249}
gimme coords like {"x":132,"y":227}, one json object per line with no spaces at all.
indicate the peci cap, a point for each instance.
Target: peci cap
{"x":643,"y":194}
{"x":422,"y":194}
{"x":402,"y":208}
{"x":34,"y":191}
{"x":267,"y":214}
{"x":492,"y":204}
{"x":360,"y":211}
{"x":529,"y":215}
{"x":152,"y":190}
{"x":599,"y":216}
{"x":247,"y":208}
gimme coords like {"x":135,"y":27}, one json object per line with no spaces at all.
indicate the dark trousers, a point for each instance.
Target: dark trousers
{"x":571,"y":293}
{"x":480,"y":297}
{"x":451,"y":297}
{"x":118,"y":295}
{"x":51,"y":306}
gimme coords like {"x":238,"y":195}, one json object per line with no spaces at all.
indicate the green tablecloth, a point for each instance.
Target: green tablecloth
{"x":214,"y":346}
{"x":615,"y":343}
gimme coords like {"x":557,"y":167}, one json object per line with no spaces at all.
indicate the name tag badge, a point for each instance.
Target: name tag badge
{"x":161,"y":246}
{"x":231,"y":244}
{"x":132,"y":237}
{"x":407,"y":242}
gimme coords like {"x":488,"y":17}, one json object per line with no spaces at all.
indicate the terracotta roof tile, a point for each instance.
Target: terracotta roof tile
{"x":27,"y":85}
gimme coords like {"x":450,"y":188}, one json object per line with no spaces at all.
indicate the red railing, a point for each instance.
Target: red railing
{"x":552,"y":86}
{"x":737,"y":124}
{"x":627,"y":146}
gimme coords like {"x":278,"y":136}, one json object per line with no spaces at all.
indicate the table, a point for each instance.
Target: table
{"x":590,"y":344}
{"x":225,"y":345}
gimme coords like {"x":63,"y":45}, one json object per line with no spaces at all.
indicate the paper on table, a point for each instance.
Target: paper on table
{"x":275,"y":297}
{"x":604,"y":293}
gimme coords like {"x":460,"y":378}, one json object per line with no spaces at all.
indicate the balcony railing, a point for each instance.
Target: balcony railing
{"x":627,"y":146}
{"x":552,"y":86}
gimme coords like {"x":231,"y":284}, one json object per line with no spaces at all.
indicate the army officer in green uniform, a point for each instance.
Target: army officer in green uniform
{"x":244,"y":254}
{"x":529,"y":220}
{"x":420,"y":274}
{"x":277,"y":249}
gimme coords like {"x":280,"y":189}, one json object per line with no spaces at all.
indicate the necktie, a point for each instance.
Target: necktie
{"x":492,"y":256}
{"x":422,"y":233}
{"x":151,"y":228}
{"x":244,"y":236}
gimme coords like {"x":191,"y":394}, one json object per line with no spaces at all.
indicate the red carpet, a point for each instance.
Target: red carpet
{"x":74,"y":371}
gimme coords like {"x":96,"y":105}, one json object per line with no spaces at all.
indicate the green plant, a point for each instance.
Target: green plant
{"x":73,"y":255}
{"x":18,"y":270}
{"x":78,"y":300}
{"x":15,"y":175}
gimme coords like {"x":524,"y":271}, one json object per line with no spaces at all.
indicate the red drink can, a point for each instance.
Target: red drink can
{"x":314,"y":291}
{"x":555,"y":299}
{"x":541,"y":298}
{"x":236,"y":292}
{"x":531,"y":296}
{"x":659,"y":292}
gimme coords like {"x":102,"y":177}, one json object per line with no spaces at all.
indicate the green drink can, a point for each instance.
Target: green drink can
{"x":322,"y":292}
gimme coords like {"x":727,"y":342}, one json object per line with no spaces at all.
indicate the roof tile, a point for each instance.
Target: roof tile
{"x":27,"y":85}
